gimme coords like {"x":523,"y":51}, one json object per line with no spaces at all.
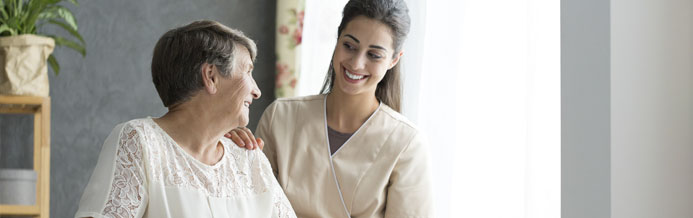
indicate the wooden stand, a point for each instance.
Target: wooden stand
{"x":40,"y":107}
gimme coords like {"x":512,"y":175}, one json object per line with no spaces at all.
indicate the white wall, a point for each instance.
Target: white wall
{"x":651,"y":108}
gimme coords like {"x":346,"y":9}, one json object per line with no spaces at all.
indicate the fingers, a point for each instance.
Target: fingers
{"x":261,"y":143}
{"x":247,"y":137}
{"x":243,"y":137}
{"x":236,"y":138}
{"x":251,"y":137}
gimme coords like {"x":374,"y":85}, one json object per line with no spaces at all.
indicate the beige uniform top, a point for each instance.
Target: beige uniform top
{"x":381,"y":171}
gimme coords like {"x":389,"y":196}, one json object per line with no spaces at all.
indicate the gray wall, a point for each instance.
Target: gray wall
{"x":651,"y":108}
{"x":113,"y":83}
{"x":585,"y":109}
{"x":627,"y":108}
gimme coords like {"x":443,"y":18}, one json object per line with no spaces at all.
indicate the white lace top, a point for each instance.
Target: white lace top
{"x":142,"y":172}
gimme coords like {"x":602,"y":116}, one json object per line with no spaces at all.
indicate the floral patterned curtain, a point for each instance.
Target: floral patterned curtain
{"x":290,"y":15}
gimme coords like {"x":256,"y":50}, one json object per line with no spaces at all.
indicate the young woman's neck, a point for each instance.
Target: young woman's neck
{"x":346,"y":113}
{"x":195,"y":130}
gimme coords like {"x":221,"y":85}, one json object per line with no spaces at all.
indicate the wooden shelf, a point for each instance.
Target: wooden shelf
{"x":25,"y":210}
{"x":40,"y":107}
{"x":22,"y":100}
{"x":20,"y":104}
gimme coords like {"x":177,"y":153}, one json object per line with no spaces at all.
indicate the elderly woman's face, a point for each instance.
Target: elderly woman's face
{"x":238,"y":90}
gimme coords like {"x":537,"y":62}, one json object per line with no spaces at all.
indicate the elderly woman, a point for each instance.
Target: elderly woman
{"x":180,"y":165}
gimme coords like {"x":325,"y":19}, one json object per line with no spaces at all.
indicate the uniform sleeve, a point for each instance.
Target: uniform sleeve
{"x":281,"y":203}
{"x":263,"y":131}
{"x":117,"y":185}
{"x":409,"y":191}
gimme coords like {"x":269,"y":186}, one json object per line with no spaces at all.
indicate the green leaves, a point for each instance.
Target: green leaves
{"x":4,"y":28}
{"x":60,"y":41}
{"x":54,"y":64}
{"x":24,"y":16}
{"x":70,"y":29}
{"x":58,"y":11}
{"x":3,"y":12}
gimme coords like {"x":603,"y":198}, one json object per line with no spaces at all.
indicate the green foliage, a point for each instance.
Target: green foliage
{"x":19,"y":17}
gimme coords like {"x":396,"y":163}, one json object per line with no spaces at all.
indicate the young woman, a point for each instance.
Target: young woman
{"x":348,"y":152}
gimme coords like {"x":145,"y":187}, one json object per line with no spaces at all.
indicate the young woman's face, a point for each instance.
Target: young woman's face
{"x":362,"y":55}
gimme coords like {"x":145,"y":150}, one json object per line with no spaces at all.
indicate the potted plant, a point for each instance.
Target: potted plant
{"x":24,"y":51}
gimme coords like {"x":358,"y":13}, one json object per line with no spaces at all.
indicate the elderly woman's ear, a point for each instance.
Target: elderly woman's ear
{"x":210,"y":77}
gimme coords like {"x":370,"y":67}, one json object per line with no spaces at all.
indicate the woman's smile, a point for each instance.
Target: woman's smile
{"x":352,"y":77}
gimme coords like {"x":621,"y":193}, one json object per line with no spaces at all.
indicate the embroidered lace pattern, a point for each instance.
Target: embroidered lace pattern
{"x":127,"y":190}
{"x":145,"y":148}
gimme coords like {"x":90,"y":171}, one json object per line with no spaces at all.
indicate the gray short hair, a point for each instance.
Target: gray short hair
{"x":180,"y":53}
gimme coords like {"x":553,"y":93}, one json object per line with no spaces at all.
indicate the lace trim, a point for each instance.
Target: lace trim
{"x":281,"y":203}
{"x":127,"y":189}
{"x":241,"y":173}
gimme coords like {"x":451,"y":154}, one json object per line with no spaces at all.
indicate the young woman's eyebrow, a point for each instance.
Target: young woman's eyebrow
{"x":371,"y":46}
{"x":377,"y":47}
{"x":352,"y":37}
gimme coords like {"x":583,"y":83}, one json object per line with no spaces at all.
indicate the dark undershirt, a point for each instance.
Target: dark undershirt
{"x":337,"y":139}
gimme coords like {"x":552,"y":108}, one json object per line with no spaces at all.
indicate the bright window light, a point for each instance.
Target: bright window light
{"x":508,"y":100}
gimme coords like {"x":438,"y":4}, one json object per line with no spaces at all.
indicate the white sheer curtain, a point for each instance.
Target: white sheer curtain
{"x":482,"y":81}
{"x":319,"y":38}
{"x":489,"y":99}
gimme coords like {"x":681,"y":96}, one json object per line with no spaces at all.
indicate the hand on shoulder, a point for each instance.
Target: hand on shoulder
{"x":243,"y":137}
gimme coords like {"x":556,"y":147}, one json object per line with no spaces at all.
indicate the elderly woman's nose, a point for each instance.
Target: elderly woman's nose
{"x":256,"y":91}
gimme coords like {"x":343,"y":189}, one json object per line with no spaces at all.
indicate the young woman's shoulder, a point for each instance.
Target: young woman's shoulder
{"x":396,"y":117}
{"x":311,"y":103}
{"x":404,"y":137}
{"x":300,"y":100}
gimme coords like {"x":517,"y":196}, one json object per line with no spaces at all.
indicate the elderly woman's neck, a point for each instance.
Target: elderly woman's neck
{"x":194,"y":130}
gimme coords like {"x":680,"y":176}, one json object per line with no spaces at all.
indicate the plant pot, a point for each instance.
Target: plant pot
{"x":23,"y":66}
{"x":17,"y":186}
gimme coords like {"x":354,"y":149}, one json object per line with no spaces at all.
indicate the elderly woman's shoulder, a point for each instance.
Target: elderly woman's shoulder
{"x":126,"y":134}
{"x":238,"y":151}
{"x":135,"y":127}
{"x":138,"y":124}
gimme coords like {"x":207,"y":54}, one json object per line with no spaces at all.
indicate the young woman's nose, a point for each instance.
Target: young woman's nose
{"x":357,"y":62}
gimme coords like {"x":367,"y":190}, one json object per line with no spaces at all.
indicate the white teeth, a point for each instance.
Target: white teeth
{"x":246,"y":104}
{"x":352,"y":76}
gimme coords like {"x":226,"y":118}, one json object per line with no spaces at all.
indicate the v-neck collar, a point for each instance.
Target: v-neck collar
{"x":327,"y":135}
